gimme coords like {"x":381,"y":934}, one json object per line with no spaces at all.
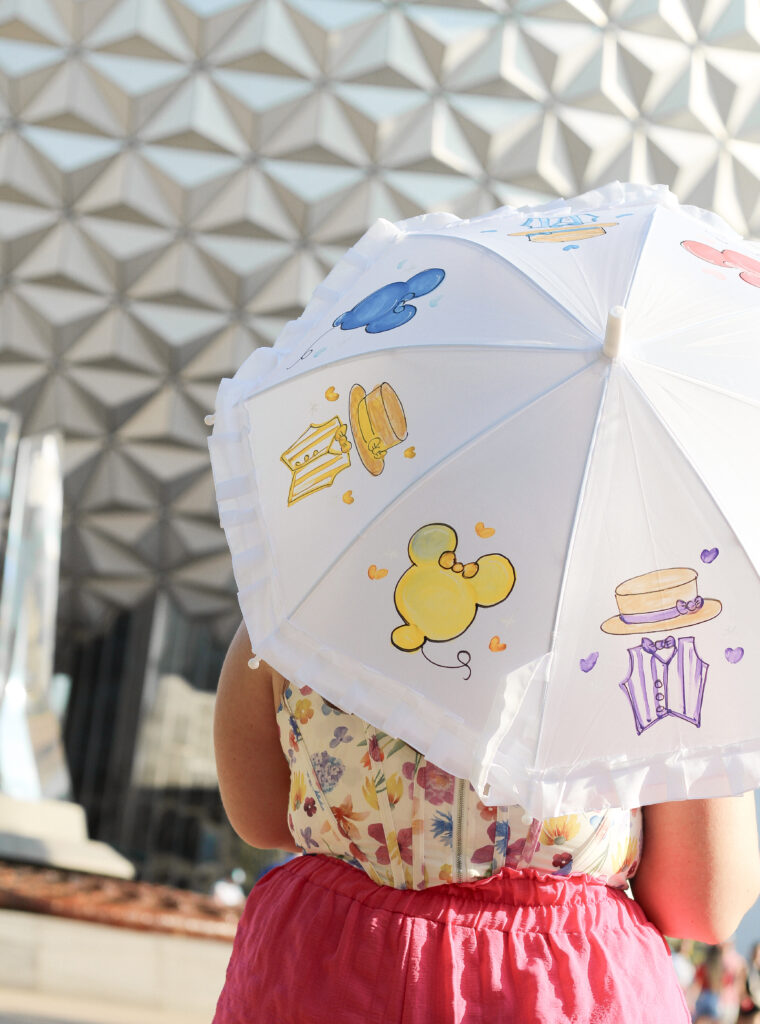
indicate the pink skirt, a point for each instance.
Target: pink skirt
{"x":321,"y":943}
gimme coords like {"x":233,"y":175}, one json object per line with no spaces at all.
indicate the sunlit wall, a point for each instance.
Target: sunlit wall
{"x":177,"y":175}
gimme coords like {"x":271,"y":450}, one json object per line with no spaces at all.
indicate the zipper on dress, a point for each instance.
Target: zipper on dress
{"x":458,"y":837}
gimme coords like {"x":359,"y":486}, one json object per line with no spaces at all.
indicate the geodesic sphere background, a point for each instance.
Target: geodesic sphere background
{"x":176,"y":176}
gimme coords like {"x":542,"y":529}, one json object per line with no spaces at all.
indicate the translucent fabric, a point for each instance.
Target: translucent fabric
{"x":458,"y":509}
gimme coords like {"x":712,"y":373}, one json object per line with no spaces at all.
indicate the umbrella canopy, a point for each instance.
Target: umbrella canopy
{"x":497,"y":490}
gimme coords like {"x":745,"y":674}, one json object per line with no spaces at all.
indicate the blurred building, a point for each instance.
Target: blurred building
{"x":175,"y":179}
{"x":139,"y":746}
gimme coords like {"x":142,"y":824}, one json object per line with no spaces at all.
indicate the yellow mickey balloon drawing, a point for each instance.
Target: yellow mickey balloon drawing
{"x":438,"y":596}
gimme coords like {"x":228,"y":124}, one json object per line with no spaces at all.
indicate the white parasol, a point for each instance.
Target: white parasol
{"x":497,"y":491}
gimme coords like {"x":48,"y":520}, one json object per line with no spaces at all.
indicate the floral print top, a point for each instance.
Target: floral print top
{"x":375,"y":802}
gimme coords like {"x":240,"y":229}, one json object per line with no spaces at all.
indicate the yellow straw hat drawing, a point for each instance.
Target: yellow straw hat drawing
{"x":378,"y":422}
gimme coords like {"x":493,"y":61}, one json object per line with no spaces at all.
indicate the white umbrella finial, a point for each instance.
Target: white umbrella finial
{"x":614,"y":333}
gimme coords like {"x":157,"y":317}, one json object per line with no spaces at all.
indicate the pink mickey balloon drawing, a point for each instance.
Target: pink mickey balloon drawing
{"x":749,"y":267}
{"x":734,"y":654}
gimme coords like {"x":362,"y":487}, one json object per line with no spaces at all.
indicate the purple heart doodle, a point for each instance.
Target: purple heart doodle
{"x":588,"y":663}
{"x":734,"y":654}
{"x":709,"y":555}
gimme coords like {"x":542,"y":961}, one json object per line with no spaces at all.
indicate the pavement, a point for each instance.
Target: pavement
{"x":21,"y":1006}
{"x":59,"y":971}
{"x":77,"y":948}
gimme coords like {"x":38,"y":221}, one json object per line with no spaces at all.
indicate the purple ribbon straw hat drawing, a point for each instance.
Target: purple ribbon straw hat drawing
{"x":660,"y":600}
{"x":666,"y":677}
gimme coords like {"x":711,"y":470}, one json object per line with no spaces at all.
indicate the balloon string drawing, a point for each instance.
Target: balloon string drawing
{"x":382,"y":310}
{"x":377,"y":418}
{"x":463,"y":658}
{"x":305,"y":354}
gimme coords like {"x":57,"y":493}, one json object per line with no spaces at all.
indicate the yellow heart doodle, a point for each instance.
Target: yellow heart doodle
{"x":409,"y":453}
{"x":376,"y":574}
{"x":348,"y":497}
{"x":495,"y":644}
{"x":331,"y":394}
{"x":484,"y":531}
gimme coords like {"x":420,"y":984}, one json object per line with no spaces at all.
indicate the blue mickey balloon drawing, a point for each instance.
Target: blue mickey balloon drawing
{"x":390,"y":306}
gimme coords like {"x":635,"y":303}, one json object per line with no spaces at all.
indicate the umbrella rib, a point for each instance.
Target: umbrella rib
{"x":489,"y":253}
{"x":573,"y":535}
{"x":728,"y":314}
{"x":637,"y":461}
{"x":639,"y":255}
{"x":733,"y":395}
{"x":694,"y":469}
{"x":501,"y":258}
{"x":356,"y":357}
{"x":433,"y":469}
{"x":719,"y":319}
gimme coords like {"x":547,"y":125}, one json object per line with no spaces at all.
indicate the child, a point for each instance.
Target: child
{"x":419,"y":904}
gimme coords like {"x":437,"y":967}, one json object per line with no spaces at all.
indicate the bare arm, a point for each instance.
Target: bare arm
{"x":254,"y":777}
{"x":700,"y":870}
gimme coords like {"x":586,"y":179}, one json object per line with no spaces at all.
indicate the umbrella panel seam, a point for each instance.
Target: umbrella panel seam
{"x":703,"y":483}
{"x":642,"y":247}
{"x":732,"y":395}
{"x":582,"y":491}
{"x":502,"y":258}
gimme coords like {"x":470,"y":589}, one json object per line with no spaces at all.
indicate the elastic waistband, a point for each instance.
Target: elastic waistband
{"x":508,"y":900}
